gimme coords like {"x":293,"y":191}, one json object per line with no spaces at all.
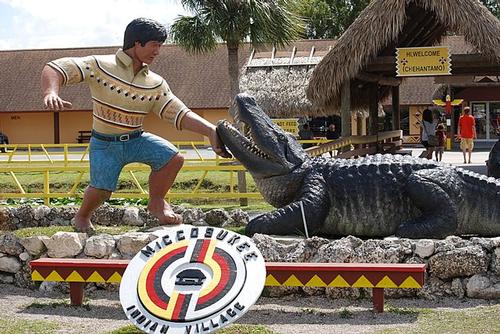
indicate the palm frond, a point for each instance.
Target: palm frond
{"x":193,"y":34}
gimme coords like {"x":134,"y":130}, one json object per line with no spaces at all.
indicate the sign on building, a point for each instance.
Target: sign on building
{"x":424,"y":61}
{"x":290,"y":125}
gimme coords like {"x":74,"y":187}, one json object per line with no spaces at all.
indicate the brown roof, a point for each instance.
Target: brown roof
{"x":201,"y":81}
{"x":278,"y":81}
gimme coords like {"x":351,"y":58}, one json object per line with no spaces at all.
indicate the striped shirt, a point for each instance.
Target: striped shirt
{"x":121,"y":99}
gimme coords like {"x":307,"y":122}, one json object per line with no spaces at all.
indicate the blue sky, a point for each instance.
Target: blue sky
{"x":40,"y":24}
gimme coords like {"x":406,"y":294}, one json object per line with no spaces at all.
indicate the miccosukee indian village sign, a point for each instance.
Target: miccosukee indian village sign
{"x":192,"y":280}
{"x":423,"y":61}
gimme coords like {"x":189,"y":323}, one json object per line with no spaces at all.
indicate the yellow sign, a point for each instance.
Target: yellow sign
{"x":425,"y":61}
{"x":288,"y":124}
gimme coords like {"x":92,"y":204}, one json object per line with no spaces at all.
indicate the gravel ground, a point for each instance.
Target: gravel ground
{"x":289,"y":315}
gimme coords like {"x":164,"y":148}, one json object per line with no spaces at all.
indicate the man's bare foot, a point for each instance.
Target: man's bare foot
{"x":163,"y":211}
{"x":83,"y":225}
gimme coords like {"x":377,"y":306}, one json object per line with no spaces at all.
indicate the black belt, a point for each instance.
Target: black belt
{"x":123,"y":137}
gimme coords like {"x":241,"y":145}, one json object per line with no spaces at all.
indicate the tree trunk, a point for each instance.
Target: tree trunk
{"x":234,"y":84}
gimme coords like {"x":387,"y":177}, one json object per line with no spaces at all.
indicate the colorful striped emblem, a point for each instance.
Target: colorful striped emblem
{"x":192,"y":279}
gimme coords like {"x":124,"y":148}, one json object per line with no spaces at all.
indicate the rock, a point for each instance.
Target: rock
{"x":6,"y":279}
{"x":148,"y":218}
{"x":10,"y":264}
{"x":443,"y":246}
{"x":424,"y":248}
{"x":24,"y":257}
{"x":381,"y":251}
{"x":434,"y":288}
{"x":9,"y":244}
{"x":6,"y":223}
{"x":68,"y":212}
{"x":482,"y":286}
{"x":307,"y":249}
{"x":271,"y":250}
{"x":466,"y":261}
{"x":495,"y":261}
{"x":239,"y":217}
{"x":132,"y":217}
{"x":193,"y":217}
{"x":130,"y":244}
{"x":217,"y":217}
{"x":487,"y":244}
{"x":34,"y":245}
{"x":25,"y":217}
{"x":335,"y":251}
{"x":65,"y":244}
{"x":40,"y":212}
{"x":100,"y":246}
{"x":107,"y":215}
{"x":457,"y":288}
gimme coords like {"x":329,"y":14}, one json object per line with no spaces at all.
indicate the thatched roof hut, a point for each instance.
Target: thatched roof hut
{"x":278,"y":78}
{"x":387,"y":24}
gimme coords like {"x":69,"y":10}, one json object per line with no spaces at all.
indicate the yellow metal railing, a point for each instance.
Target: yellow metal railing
{"x":140,"y":192}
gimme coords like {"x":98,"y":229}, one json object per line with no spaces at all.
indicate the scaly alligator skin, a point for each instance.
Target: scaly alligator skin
{"x":375,"y":196}
{"x":494,"y":160}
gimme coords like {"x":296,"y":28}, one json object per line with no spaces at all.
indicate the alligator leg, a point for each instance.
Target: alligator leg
{"x":288,"y":220}
{"x":439,"y":212}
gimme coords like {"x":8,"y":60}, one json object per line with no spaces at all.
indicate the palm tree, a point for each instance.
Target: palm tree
{"x":235,"y":22}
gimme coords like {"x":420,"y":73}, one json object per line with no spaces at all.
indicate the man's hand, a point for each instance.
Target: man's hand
{"x":218,"y":145}
{"x":52,"y":101}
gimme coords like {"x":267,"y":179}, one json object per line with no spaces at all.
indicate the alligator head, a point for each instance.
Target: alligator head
{"x":271,"y":155}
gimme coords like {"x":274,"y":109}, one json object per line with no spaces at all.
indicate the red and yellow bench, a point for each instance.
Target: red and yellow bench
{"x":376,"y":276}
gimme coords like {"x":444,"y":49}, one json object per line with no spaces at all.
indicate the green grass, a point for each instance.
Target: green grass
{"x":482,"y":320}
{"x":215,"y":181}
{"x":231,"y":329}
{"x":22,"y":326}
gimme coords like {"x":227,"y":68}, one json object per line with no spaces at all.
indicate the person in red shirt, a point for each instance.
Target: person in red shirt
{"x":467,"y":133}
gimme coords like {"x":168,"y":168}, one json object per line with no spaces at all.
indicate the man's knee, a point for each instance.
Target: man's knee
{"x":174,"y":164}
{"x":177,"y":160}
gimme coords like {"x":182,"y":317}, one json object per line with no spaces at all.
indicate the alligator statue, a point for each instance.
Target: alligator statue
{"x":494,"y":160}
{"x":373,"y":196}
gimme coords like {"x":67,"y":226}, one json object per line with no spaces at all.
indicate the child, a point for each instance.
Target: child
{"x":441,"y":136}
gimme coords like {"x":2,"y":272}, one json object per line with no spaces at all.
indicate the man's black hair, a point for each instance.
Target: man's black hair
{"x":143,"y":30}
{"x":427,"y":115}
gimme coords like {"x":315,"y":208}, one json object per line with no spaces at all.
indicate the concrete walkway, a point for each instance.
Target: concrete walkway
{"x":456,"y":158}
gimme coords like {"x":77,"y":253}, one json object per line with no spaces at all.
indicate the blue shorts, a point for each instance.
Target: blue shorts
{"x":107,"y":158}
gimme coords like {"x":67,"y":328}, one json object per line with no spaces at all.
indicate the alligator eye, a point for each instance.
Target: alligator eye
{"x":281,"y":136}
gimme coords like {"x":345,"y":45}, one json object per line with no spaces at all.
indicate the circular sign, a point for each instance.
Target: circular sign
{"x":192,"y":280}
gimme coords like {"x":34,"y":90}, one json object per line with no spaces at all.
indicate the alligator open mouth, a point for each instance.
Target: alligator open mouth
{"x":266,"y":150}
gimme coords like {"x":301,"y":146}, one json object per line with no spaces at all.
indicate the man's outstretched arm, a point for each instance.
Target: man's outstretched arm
{"x":51,"y":82}
{"x":193,"y":122}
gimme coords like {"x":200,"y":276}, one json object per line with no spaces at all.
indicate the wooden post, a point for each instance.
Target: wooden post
{"x":373,"y":109}
{"x":396,"y":112}
{"x":57,"y":138}
{"x":345,"y":109}
{"x":378,"y":300}
{"x":76,"y":293}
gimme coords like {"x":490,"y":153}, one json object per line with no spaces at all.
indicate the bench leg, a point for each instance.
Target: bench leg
{"x":378,"y":300}
{"x":76,"y":293}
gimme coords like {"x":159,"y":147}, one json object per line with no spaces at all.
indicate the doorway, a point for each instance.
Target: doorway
{"x":487,"y":116}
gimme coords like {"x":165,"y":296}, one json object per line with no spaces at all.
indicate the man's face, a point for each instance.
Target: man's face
{"x":148,"y":52}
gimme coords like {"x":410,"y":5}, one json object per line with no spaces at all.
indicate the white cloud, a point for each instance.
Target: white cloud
{"x":66,"y":23}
